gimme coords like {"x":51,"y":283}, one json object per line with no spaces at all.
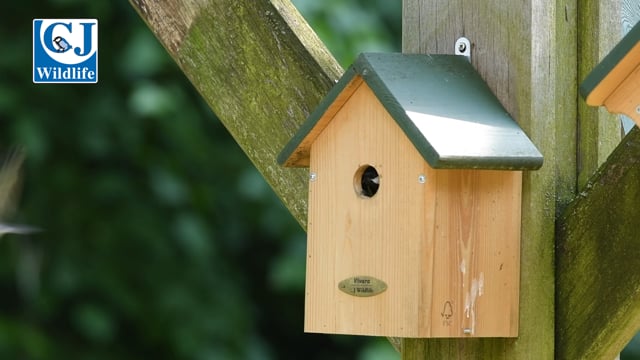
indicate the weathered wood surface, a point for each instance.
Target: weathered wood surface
{"x":259,"y":66}
{"x":598,"y":257}
{"x":516,"y":49}
{"x":599,"y":132}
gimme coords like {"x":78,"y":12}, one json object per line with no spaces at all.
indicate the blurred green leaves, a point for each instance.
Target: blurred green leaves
{"x":351,"y":27}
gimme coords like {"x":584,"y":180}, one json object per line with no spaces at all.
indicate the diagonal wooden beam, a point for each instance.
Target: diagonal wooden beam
{"x":260,"y":67}
{"x":598,"y":260}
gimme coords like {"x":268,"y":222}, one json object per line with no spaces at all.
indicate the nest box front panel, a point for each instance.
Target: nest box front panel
{"x":358,"y":232}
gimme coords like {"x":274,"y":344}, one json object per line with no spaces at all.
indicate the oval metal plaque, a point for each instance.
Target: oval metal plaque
{"x":362,"y":286}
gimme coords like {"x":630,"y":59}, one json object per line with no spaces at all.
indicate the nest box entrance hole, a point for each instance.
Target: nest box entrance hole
{"x":366,"y":181}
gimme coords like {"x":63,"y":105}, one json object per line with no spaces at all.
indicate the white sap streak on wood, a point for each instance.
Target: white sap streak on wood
{"x":477,"y":288}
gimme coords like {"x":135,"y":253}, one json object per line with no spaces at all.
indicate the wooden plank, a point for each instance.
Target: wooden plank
{"x":516,"y":49}
{"x":566,"y":108}
{"x":235,"y":52}
{"x":599,"y":131}
{"x":598,"y":256}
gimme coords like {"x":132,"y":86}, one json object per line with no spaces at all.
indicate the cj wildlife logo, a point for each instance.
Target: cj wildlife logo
{"x":65,"y":50}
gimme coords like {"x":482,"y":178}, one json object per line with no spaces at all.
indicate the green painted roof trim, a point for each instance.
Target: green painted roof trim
{"x":445,"y":109}
{"x":610,"y":61}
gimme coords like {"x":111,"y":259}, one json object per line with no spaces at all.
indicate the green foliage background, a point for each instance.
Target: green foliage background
{"x":161,"y":240}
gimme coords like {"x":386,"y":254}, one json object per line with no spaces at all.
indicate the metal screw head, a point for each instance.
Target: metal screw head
{"x":313,"y":176}
{"x":422,"y":179}
{"x":463,"y":47}
{"x":638,"y":109}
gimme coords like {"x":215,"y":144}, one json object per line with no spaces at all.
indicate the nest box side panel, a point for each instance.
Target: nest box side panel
{"x":477,"y":247}
{"x":382,"y":236}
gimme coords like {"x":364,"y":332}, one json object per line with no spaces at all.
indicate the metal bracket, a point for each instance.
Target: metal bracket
{"x":463,"y":47}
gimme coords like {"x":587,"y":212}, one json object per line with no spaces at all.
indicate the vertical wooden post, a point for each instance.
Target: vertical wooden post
{"x":526,"y":53}
{"x":599,"y":132}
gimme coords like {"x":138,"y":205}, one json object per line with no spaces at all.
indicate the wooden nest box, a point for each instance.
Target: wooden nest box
{"x":414,"y":202}
{"x":615,"y":82}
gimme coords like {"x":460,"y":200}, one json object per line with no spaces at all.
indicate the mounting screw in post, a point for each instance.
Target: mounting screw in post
{"x":422,"y":179}
{"x":638,"y":109}
{"x":463,"y":47}
{"x":313,"y":176}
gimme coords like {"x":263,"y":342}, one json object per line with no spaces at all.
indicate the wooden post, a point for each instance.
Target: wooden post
{"x":520,"y":49}
{"x":599,"y":131}
{"x":527,"y":53}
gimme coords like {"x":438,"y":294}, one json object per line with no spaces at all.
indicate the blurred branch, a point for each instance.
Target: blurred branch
{"x":10,"y":182}
{"x":9,"y":191}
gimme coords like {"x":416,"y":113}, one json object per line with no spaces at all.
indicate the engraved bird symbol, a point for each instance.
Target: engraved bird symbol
{"x":9,"y":189}
{"x":447,"y":311}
